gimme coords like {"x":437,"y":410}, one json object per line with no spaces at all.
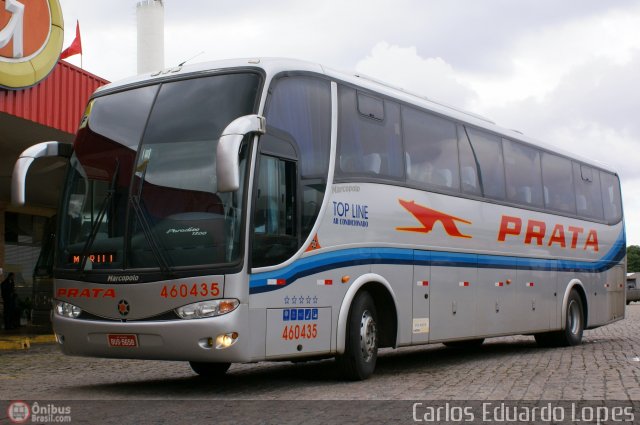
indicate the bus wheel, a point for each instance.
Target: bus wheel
{"x":209,"y":369}
{"x":467,"y":343}
{"x":361,"y":350}
{"x":574,"y":326}
{"x":572,"y":334}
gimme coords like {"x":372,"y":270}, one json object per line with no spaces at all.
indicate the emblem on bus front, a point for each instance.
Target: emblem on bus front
{"x":123,"y":307}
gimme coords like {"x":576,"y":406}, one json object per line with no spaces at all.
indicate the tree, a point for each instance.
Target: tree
{"x":633,"y":258}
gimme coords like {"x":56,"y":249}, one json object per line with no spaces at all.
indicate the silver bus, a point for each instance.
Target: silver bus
{"x":268,"y":209}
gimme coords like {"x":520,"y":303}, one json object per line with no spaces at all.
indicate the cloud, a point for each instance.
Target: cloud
{"x":403,"y":67}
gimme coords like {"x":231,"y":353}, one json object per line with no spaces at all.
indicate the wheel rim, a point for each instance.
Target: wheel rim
{"x":574,"y":317}
{"x":368,"y":336}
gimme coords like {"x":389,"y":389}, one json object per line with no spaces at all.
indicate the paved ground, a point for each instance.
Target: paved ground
{"x":605,"y":367}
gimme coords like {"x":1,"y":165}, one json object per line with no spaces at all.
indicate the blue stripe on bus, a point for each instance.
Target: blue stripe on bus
{"x":367,"y":256}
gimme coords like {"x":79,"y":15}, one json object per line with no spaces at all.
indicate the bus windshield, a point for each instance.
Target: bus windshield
{"x":141,"y":188}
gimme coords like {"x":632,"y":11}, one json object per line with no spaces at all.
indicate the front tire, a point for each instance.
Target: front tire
{"x":361,"y":349}
{"x":210,"y":370}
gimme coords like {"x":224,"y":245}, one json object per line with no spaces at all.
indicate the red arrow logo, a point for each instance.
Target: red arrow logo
{"x":428,"y":218}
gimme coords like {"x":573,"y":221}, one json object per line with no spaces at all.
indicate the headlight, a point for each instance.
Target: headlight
{"x":67,"y":310}
{"x":207,"y":309}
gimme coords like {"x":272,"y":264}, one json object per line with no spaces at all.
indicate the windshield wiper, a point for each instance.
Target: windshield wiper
{"x":134,"y":200}
{"x":101,"y":213}
{"x":148,"y":234}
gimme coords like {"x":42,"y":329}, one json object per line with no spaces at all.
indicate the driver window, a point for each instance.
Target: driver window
{"x":274,"y":219}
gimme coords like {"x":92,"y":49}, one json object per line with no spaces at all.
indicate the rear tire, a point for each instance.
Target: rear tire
{"x":210,"y":370}
{"x":361,"y":346}
{"x":574,"y":325}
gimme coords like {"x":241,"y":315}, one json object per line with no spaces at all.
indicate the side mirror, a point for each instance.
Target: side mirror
{"x":24,"y":161}
{"x":227,"y":160}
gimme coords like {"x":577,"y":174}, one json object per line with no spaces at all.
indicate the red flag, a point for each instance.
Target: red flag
{"x":75,"y":47}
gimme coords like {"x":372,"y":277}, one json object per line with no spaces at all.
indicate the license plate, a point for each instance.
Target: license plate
{"x":128,"y":340}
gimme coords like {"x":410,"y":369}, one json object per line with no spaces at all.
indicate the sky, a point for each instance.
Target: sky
{"x":563,"y":72}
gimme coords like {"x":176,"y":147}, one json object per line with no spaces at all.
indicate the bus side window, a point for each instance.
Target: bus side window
{"x":557,"y":177}
{"x":523,"y":173}
{"x":611,"y":197}
{"x":468,"y":165}
{"x":369,"y":141}
{"x":488,"y":151}
{"x":275,"y":214}
{"x":432,"y":150}
{"x":588,"y":191}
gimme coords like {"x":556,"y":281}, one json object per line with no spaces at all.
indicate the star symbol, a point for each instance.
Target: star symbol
{"x":123,"y":307}
{"x":294,"y":300}
{"x":308,"y":300}
{"x":286,"y":299}
{"x":315,"y":300}
{"x":301,"y":299}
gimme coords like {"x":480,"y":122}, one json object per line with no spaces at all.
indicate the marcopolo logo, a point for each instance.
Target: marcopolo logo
{"x":127,"y":278}
{"x":31,"y":35}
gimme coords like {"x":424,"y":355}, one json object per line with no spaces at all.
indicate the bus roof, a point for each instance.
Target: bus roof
{"x":274,"y":66}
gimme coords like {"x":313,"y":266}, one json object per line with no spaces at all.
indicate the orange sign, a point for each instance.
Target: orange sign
{"x":31,"y":35}
{"x":429,"y":217}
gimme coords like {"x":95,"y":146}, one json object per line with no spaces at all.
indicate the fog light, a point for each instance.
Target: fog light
{"x":67,"y":310}
{"x":226,"y":340}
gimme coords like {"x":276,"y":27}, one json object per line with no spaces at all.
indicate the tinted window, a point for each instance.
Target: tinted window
{"x":199,"y":109}
{"x":301,"y":107}
{"x":274,"y":221}
{"x":368,"y":147}
{"x":154,"y":203}
{"x":432,"y":150}
{"x":488,"y":150}
{"x":611,"y":197}
{"x":129,"y":109}
{"x":558,"y":189}
{"x":588,"y":191}
{"x":371,"y":107}
{"x":468,"y":165}
{"x":523,"y":174}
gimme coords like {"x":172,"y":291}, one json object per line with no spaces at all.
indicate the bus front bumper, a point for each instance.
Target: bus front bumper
{"x":191,"y":340}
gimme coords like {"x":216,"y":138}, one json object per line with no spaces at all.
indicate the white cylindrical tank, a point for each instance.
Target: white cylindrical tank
{"x":150,"y":16}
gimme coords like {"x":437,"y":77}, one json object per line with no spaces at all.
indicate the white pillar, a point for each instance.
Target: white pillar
{"x":150,"y":16}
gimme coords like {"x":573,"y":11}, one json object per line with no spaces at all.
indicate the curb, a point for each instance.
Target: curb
{"x":22,"y":342}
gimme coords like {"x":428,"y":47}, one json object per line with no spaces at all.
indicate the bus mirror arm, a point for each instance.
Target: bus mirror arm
{"x":24,"y":161}
{"x":227,"y":153}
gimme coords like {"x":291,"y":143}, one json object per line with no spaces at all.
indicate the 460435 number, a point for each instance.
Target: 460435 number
{"x":293,"y":332}
{"x":193,"y":290}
